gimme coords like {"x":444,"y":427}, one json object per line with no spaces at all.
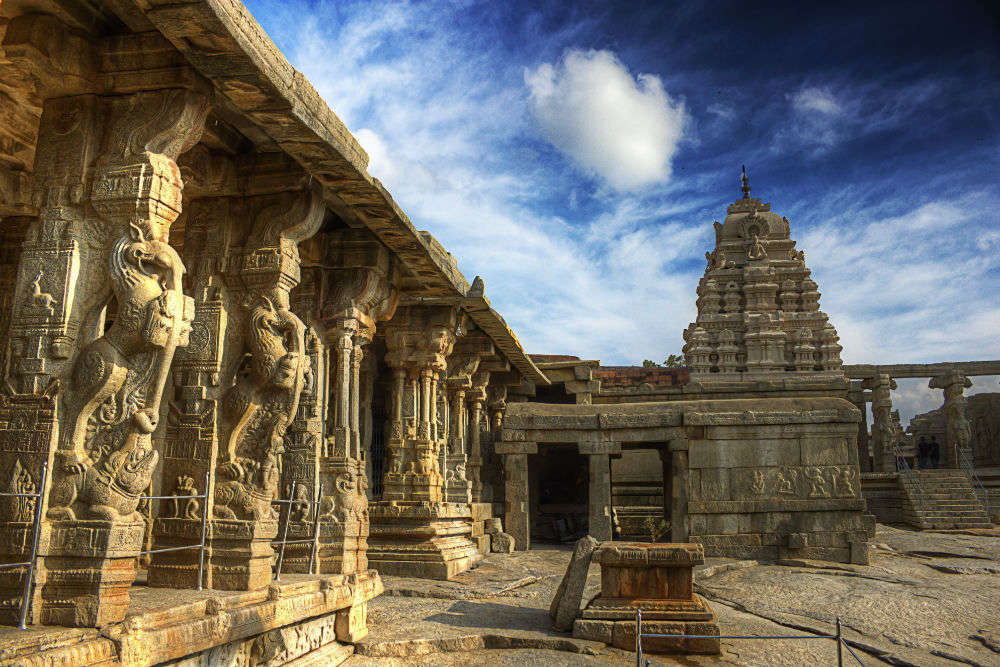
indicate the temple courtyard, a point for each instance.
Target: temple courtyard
{"x":927,"y":599}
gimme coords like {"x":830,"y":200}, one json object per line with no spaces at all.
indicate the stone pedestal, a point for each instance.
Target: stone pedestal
{"x":427,"y":540}
{"x":84,"y":572}
{"x":239,"y":555}
{"x":656,"y":578}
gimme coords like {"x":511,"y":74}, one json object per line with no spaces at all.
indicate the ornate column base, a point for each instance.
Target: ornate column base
{"x":419,"y":539}
{"x":239,"y":554}
{"x":458,"y":486}
{"x":176,"y":569}
{"x":343,"y":547}
{"x":85,"y":571}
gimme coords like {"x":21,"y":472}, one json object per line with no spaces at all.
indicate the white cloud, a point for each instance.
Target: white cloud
{"x":625,"y":129}
{"x":818,"y":100}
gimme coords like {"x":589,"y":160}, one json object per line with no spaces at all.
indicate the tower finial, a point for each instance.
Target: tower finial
{"x":745,"y":187}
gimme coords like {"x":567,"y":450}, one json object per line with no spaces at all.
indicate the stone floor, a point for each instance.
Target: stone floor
{"x":929,"y":599}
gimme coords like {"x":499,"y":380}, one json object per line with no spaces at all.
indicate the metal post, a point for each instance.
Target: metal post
{"x":204,"y":527}
{"x":284,"y":534}
{"x":315,"y":544}
{"x":29,"y":581}
{"x":638,"y":637}
{"x":840,"y":645}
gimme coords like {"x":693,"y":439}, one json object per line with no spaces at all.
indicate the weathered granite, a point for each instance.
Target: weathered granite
{"x":658,"y":579}
{"x":566,"y":602}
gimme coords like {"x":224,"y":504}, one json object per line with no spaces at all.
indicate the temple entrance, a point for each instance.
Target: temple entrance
{"x":559,"y":487}
{"x":639,"y":495}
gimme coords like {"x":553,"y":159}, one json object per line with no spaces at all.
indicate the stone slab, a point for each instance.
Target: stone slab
{"x":566,"y":603}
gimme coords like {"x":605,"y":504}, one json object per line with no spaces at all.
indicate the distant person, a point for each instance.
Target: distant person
{"x":935,"y":452}
{"x":923,"y":453}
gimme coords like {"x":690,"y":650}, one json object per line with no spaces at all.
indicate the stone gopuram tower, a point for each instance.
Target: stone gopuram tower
{"x":758,"y":309}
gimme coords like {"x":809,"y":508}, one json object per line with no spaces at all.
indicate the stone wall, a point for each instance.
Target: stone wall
{"x":777,"y":480}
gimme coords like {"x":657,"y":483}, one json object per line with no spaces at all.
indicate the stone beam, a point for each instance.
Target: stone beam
{"x":968,"y":368}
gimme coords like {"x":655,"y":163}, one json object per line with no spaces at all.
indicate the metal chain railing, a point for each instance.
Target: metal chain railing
{"x":30,"y":564}
{"x":29,"y":579}
{"x":642,"y":661}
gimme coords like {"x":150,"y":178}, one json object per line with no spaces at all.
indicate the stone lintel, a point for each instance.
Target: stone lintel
{"x":599,"y":447}
{"x":506,"y":447}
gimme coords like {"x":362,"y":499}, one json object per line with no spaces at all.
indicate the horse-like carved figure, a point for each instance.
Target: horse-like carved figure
{"x":261,"y":406}
{"x":113,"y":403}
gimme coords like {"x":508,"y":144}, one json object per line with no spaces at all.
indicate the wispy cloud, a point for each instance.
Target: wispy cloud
{"x":623,"y":128}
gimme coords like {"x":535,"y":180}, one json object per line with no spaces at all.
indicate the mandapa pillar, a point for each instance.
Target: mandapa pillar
{"x":958,"y":431}
{"x":110,"y":189}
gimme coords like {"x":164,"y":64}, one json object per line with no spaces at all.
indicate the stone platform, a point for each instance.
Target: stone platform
{"x":658,"y":579}
{"x":422,"y":539}
{"x":301,"y":620}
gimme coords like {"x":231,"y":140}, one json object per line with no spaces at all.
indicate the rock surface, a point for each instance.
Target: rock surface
{"x":897,"y":608}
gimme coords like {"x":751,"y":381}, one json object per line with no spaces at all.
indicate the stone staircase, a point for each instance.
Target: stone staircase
{"x":941,"y":499}
{"x":635,"y":504}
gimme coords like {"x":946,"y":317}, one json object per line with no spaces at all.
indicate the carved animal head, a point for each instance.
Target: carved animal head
{"x":136,"y":469}
{"x":275,"y":341}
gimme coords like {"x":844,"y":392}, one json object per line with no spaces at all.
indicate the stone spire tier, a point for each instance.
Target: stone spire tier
{"x":758,"y":308}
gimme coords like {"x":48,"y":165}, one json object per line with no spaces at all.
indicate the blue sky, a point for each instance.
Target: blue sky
{"x":575,"y":155}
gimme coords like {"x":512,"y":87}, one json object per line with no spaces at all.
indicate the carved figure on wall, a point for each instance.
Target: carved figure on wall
{"x":42,"y":300}
{"x":458,"y":474}
{"x":758,"y":486}
{"x":262,"y":405}
{"x":817,"y":483}
{"x":185,"y":487}
{"x":299,"y":508}
{"x":843,"y":482}
{"x":347,"y":500}
{"x":113,"y":402}
{"x":785,"y":482}
{"x":756,"y":249}
{"x":20,"y":509}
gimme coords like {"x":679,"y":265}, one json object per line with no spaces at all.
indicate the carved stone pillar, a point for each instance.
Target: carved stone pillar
{"x":475,"y":463}
{"x":358,"y":292}
{"x":517,"y":514}
{"x":958,"y":431}
{"x":600,"y":501}
{"x":882,"y":434}
{"x":98,"y":313}
{"x":860,"y":399}
{"x":415,"y":532}
{"x":457,"y":478}
{"x":248,"y":370}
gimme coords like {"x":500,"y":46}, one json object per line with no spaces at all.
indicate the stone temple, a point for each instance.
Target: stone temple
{"x":229,"y":357}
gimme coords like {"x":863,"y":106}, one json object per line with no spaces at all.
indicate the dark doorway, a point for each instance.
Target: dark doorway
{"x":559,"y":484}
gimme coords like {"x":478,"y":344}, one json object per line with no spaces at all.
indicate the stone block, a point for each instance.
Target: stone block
{"x":860,"y":552}
{"x":493,"y":526}
{"x":824,"y":452}
{"x":594,"y":630}
{"x":352,"y":623}
{"x":566,"y":603}
{"x":502,"y":543}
